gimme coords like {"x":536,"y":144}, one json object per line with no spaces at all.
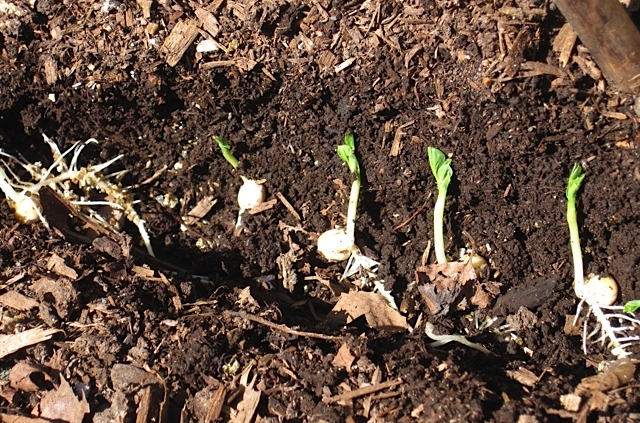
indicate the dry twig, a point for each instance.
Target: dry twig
{"x":281,"y":328}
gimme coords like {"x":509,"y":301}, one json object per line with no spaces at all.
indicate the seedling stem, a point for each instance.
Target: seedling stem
{"x":441,"y":168}
{"x":347,"y":153}
{"x":226,"y":151}
{"x":575,"y":181}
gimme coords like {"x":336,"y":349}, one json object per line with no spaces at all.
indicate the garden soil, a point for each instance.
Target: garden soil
{"x":234,"y":323}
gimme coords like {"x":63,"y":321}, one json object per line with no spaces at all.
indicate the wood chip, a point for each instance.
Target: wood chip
{"x":57,"y":265}
{"x":619,"y":373}
{"x":145,"y":5}
{"x":396,"y":145}
{"x":146,"y":407}
{"x":242,"y":63}
{"x":50,"y":67}
{"x":571,"y":402}
{"x":200,"y":210}
{"x":62,"y":404}
{"x":524,"y":376}
{"x":217,"y":64}
{"x":143,"y":272}
{"x":179,"y":40}
{"x":248,"y":405}
{"x":342,"y":66}
{"x":564,"y":42}
{"x":363,"y":391}
{"x":266,"y":205}
{"x":17,"y":301}
{"x":209,"y":22}
{"x":614,"y":115}
{"x":588,"y":66}
{"x":216,"y":404}
{"x":12,"y":343}
{"x":10,"y":418}
{"x":12,"y":280}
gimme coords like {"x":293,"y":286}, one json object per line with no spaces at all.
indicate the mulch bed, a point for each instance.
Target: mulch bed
{"x":245,"y":324}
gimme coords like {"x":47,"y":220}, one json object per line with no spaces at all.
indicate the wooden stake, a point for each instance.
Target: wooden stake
{"x":606,"y":29}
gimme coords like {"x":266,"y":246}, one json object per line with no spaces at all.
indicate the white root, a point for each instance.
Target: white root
{"x":440,"y":340}
{"x":600,"y":293}
{"x":25,"y":205}
{"x":23,"y":197}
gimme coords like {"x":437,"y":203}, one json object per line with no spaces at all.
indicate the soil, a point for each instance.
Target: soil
{"x":212,"y":319}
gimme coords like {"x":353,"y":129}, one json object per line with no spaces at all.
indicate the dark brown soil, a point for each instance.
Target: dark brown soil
{"x":425,"y":73}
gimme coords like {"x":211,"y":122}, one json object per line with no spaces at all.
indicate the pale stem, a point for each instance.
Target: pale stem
{"x":353,"y":209}
{"x":438,"y":231}
{"x":574,"y":241}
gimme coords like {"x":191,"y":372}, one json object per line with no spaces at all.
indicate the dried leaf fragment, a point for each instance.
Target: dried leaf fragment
{"x":344,"y":358}
{"x":372,"y":306}
{"x":442,"y":285}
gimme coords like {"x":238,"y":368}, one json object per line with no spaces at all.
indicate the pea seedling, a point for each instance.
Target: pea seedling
{"x":251,"y":193}
{"x":441,"y":284}
{"x":340,"y":244}
{"x":24,"y":197}
{"x":441,"y":168}
{"x":599,"y":293}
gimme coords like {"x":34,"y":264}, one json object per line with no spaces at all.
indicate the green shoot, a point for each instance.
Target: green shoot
{"x":575,"y":180}
{"x":632,"y":306}
{"x":347,"y":153}
{"x":598,"y":292}
{"x":441,"y":168}
{"x":251,"y":193}
{"x":226,"y":151}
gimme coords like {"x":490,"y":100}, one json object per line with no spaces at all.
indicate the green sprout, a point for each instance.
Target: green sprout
{"x":226,"y":151}
{"x":441,"y":168}
{"x":599,"y":293}
{"x":575,"y":181}
{"x":340,"y":244}
{"x":251,"y":193}
{"x":347,"y":152}
{"x":631,"y":306}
